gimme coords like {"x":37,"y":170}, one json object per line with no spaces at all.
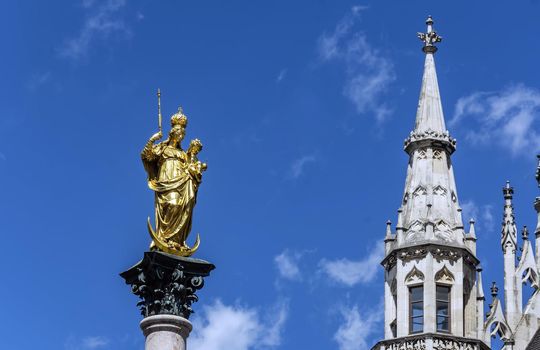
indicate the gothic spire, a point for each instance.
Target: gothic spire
{"x":430,"y":207}
{"x":429,"y":116}
{"x":509,"y":229}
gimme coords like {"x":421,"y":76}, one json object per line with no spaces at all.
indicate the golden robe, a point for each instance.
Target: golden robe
{"x":175,"y":191}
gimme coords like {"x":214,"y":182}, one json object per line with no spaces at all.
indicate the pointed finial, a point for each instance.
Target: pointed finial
{"x":472,"y":231}
{"x":508,"y":190}
{"x":400,"y":218}
{"x":388,"y":236}
{"x":525,"y":233}
{"x":494,"y":290}
{"x":480,"y":287}
{"x":538,"y":170}
{"x":430,"y":38}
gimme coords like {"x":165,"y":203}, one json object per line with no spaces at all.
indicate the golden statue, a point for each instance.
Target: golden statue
{"x":175,"y":176}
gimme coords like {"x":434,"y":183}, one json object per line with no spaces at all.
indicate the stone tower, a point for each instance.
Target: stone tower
{"x":433,"y":293}
{"x":517,"y":324}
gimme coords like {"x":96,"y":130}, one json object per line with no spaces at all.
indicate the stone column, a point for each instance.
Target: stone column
{"x":166,"y":285}
{"x":457,"y":313}
{"x":430,"y":318}
{"x":537,"y":232}
{"x":402,"y":301}
{"x":165,"y":332}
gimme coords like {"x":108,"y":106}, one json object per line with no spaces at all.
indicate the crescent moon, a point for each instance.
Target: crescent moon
{"x":186,"y":252}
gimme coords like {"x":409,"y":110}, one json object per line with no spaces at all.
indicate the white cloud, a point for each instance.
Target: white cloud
{"x":369,"y":73}
{"x":275,"y":323}
{"x":354,"y":333}
{"x":350,"y":272}
{"x":87,"y":343}
{"x":298,"y":165}
{"x":38,"y":80}
{"x":102,"y":22}
{"x":482,"y":215}
{"x":287,"y":265}
{"x":282,"y":74}
{"x":509,"y":117}
{"x":95,"y":342}
{"x":487,"y":217}
{"x":237,"y":328}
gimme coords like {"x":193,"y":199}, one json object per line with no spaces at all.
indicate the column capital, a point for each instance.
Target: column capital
{"x":167,"y":283}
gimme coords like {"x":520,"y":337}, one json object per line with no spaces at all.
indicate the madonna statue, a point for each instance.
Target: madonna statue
{"x":174,"y":175}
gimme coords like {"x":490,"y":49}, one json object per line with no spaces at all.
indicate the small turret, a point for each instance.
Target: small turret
{"x":389,"y":238}
{"x":470,"y":238}
{"x":399,"y":227}
{"x":509,"y":230}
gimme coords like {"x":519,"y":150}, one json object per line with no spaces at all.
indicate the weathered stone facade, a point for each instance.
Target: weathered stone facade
{"x":434,"y":298}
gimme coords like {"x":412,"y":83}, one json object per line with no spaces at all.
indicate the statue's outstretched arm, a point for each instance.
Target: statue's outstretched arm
{"x":148,"y":150}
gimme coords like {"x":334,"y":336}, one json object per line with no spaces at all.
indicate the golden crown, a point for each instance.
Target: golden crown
{"x":179,"y":118}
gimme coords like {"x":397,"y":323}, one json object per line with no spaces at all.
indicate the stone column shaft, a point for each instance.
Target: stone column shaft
{"x":388,"y":300}
{"x":165,"y":332}
{"x":457,"y":313}
{"x":402,"y":302}
{"x":430,"y":318}
{"x":512,"y":312}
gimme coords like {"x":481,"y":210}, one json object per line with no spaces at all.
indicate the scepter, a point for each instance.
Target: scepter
{"x":159,"y":109}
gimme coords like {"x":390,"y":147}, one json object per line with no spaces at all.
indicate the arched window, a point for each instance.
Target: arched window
{"x":443,"y":308}
{"x":416,"y":309}
{"x":444,"y":279}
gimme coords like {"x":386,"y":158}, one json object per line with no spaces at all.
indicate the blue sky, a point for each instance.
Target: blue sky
{"x":302,"y":108}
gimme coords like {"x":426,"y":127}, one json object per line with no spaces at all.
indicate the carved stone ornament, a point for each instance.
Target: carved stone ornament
{"x":449,"y":344}
{"x":444,"y":231}
{"x":414,"y":276}
{"x":430,"y":137}
{"x":439,"y":190}
{"x":413,"y":344}
{"x":413,"y":253}
{"x":419,"y":191}
{"x":415,"y":231}
{"x":436,"y":342}
{"x":439,"y":253}
{"x":444,"y":275}
{"x":390,"y":261}
{"x":449,"y":254}
{"x":167,"y":283}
